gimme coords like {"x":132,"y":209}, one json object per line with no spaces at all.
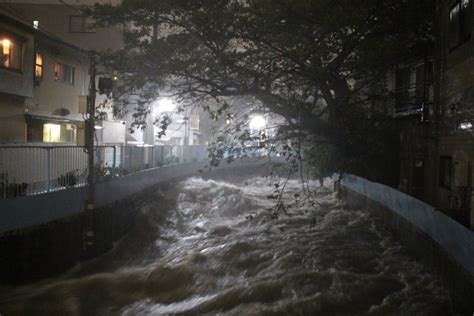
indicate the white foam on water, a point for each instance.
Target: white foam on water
{"x":218,"y":250}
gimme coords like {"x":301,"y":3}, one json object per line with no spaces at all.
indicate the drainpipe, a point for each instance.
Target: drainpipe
{"x":439,"y":63}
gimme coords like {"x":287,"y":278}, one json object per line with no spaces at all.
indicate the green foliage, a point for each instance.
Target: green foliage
{"x":69,"y":179}
{"x":11,"y":189}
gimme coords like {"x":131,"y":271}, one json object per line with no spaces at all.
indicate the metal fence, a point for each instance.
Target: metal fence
{"x":30,"y":170}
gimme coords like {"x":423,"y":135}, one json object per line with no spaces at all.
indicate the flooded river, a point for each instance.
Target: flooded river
{"x":211,"y":247}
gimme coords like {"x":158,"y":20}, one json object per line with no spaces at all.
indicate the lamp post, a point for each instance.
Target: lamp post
{"x":88,"y":229}
{"x":90,"y":130}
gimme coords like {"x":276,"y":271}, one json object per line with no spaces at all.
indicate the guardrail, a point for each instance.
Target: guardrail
{"x":31,"y":170}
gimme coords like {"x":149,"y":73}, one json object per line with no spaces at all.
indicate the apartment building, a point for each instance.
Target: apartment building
{"x":62,"y":39}
{"x":16,"y":77}
{"x":456,"y":142}
{"x":41,"y":79}
{"x":437,"y":144}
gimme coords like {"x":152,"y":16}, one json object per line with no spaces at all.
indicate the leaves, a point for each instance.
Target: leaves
{"x":318,"y":63}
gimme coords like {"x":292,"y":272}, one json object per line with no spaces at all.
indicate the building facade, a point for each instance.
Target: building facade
{"x":55,"y":66}
{"x":435,"y":112}
{"x":17,"y":49}
{"x":456,"y":142}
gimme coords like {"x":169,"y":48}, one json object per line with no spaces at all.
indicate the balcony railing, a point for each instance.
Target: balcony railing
{"x":31,"y":170}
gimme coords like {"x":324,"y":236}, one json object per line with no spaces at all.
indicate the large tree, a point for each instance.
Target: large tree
{"x":321,"y":64}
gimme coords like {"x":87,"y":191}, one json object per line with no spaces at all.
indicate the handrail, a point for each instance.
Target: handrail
{"x":38,"y":169}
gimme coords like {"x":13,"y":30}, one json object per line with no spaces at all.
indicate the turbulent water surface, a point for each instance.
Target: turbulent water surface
{"x":211,"y":247}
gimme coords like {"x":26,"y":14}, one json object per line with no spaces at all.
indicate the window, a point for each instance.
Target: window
{"x":459,"y":23}
{"x":445,"y":172}
{"x":403,"y":87}
{"x":194,"y":122}
{"x":412,"y":87}
{"x":38,"y":66}
{"x":51,"y":133}
{"x":80,"y":24}
{"x":10,"y":53}
{"x":64,"y":73}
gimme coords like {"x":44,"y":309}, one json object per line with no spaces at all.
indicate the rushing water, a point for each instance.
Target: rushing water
{"x":211,"y":247}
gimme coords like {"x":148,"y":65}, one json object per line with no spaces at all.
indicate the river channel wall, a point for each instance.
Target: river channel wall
{"x":432,"y":237}
{"x":44,"y":235}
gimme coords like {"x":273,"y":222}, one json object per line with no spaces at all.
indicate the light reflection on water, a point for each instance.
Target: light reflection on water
{"x":195,"y":250}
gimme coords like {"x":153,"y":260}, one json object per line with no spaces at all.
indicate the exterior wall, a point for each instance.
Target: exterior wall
{"x":13,"y":82}
{"x":457,"y":110}
{"x":12,"y":119}
{"x":50,"y":94}
{"x":15,"y":85}
{"x":416,"y":141}
{"x":54,"y":18}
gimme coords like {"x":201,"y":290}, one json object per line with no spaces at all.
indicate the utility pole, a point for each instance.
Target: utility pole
{"x":88,"y":229}
{"x":439,"y":63}
{"x":90,"y":131}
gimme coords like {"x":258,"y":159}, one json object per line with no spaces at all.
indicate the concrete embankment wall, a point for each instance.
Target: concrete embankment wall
{"x":43,"y":235}
{"x":431,"y":236}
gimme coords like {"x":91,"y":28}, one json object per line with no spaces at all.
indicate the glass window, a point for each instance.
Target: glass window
{"x":51,"y":133}
{"x":460,"y":23}
{"x":64,"y":73}
{"x":38,"y":66}
{"x":80,"y":24}
{"x":10,"y":53}
{"x":195,"y":122}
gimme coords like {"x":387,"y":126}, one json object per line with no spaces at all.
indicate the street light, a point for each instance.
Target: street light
{"x":165,"y":105}
{"x":257,"y":123}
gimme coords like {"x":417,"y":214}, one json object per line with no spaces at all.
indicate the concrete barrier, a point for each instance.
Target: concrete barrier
{"x":433,"y":237}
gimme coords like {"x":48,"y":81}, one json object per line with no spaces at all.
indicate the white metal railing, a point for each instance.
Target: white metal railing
{"x":31,"y":170}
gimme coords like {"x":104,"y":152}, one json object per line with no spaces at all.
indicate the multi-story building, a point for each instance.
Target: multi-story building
{"x":65,"y":19}
{"x":412,"y":84}
{"x":41,"y":80}
{"x":456,"y":142}
{"x":17,"y":50}
{"x":437,"y":152}
{"x":62,"y":38}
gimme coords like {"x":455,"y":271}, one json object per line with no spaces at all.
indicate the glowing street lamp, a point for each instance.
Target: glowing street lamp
{"x":257,"y":123}
{"x":165,"y":105}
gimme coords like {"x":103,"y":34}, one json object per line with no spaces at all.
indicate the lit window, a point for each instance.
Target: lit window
{"x":459,"y":23}
{"x":10,"y":54}
{"x":38,"y":66}
{"x":51,"y":133}
{"x":64,"y":73}
{"x":80,"y":24}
